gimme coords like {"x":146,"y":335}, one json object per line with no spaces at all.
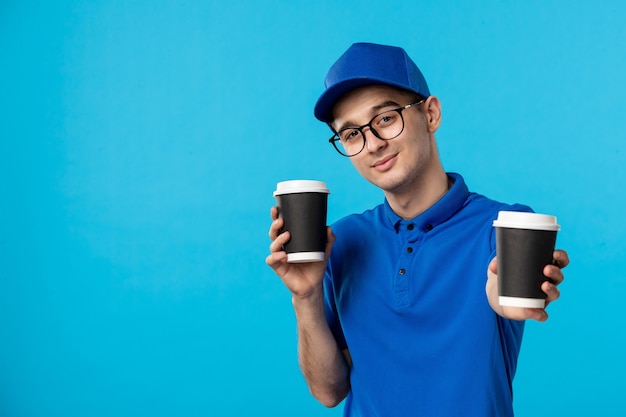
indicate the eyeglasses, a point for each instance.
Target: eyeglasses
{"x":350,"y":141}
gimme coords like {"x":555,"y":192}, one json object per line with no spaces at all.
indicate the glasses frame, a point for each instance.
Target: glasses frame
{"x":335,"y":138}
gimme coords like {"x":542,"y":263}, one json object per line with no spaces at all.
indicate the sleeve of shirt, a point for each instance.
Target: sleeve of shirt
{"x":330,"y":307}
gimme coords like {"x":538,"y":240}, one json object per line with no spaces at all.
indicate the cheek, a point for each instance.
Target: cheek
{"x":357,"y":164}
{"x":360,"y":166}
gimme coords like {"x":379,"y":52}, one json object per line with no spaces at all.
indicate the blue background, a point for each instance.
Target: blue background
{"x":140,"y":143}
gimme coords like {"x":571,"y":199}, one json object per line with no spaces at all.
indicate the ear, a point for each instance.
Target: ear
{"x":432,"y":110}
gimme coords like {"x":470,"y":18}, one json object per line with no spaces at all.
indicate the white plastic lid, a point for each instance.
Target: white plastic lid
{"x":300,"y":186}
{"x":521,"y":220}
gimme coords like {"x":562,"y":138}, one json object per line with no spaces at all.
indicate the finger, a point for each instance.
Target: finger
{"x":554,"y":274}
{"x":551,"y":290}
{"x":330,"y":240}
{"x":275,"y":227}
{"x":517,"y":313}
{"x":280,"y":241}
{"x":561,"y":259}
{"x":493,"y":266}
{"x":274,"y":212}
{"x":538,"y":314}
{"x":277,"y":261}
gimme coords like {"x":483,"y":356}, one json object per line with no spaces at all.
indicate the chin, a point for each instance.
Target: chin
{"x":387,"y":184}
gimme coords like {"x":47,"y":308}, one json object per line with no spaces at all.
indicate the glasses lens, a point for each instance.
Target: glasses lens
{"x":388,"y":125}
{"x":350,"y":141}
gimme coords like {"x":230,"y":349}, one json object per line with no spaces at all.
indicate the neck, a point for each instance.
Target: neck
{"x":423,"y":194}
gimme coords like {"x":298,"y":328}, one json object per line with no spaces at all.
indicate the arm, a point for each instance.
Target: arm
{"x":553,"y":272}
{"x":325,"y":368}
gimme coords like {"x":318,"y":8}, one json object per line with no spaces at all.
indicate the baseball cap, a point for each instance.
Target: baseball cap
{"x":366,"y":64}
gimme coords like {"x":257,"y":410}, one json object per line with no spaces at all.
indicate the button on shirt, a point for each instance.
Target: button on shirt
{"x":407,"y":298}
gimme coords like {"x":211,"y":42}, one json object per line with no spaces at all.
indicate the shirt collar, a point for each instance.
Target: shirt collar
{"x":438,"y":213}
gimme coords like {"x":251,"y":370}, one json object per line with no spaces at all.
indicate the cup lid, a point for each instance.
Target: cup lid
{"x":523,"y":220}
{"x":300,"y":186}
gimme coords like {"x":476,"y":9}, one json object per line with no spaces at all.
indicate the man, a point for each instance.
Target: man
{"x":402,"y":318}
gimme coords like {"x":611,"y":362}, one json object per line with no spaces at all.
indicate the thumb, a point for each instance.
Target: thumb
{"x":493,"y":266}
{"x":330,"y":240}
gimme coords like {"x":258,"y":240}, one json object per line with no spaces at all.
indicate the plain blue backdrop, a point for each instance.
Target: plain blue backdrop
{"x":140,"y":143}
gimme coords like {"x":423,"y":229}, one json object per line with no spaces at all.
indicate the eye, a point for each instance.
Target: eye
{"x":348,"y":135}
{"x":386,"y":119}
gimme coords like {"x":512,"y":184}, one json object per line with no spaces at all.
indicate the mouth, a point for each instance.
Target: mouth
{"x":385,"y":163}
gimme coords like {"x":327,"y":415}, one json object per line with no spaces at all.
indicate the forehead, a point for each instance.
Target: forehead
{"x":364,"y":102}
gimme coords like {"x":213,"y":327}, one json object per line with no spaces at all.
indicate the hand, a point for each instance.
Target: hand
{"x":302,"y":279}
{"x":554,"y":275}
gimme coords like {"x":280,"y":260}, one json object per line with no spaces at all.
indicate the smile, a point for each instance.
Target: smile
{"x":385,"y":163}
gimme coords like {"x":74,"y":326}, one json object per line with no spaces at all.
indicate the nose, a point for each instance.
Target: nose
{"x":372,"y":142}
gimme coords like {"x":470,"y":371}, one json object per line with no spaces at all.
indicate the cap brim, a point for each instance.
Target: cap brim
{"x":324,"y":107}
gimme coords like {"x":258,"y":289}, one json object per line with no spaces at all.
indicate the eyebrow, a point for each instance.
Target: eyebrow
{"x":375,"y":110}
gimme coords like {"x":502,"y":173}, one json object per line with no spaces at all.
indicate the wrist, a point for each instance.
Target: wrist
{"x":312,"y":301}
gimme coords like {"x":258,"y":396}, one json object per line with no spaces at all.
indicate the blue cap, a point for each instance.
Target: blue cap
{"x":366,"y":64}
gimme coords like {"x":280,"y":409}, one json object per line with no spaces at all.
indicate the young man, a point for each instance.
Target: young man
{"x":402,"y":319}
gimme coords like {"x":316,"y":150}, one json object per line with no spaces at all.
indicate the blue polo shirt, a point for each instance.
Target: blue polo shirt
{"x":407,"y":298}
